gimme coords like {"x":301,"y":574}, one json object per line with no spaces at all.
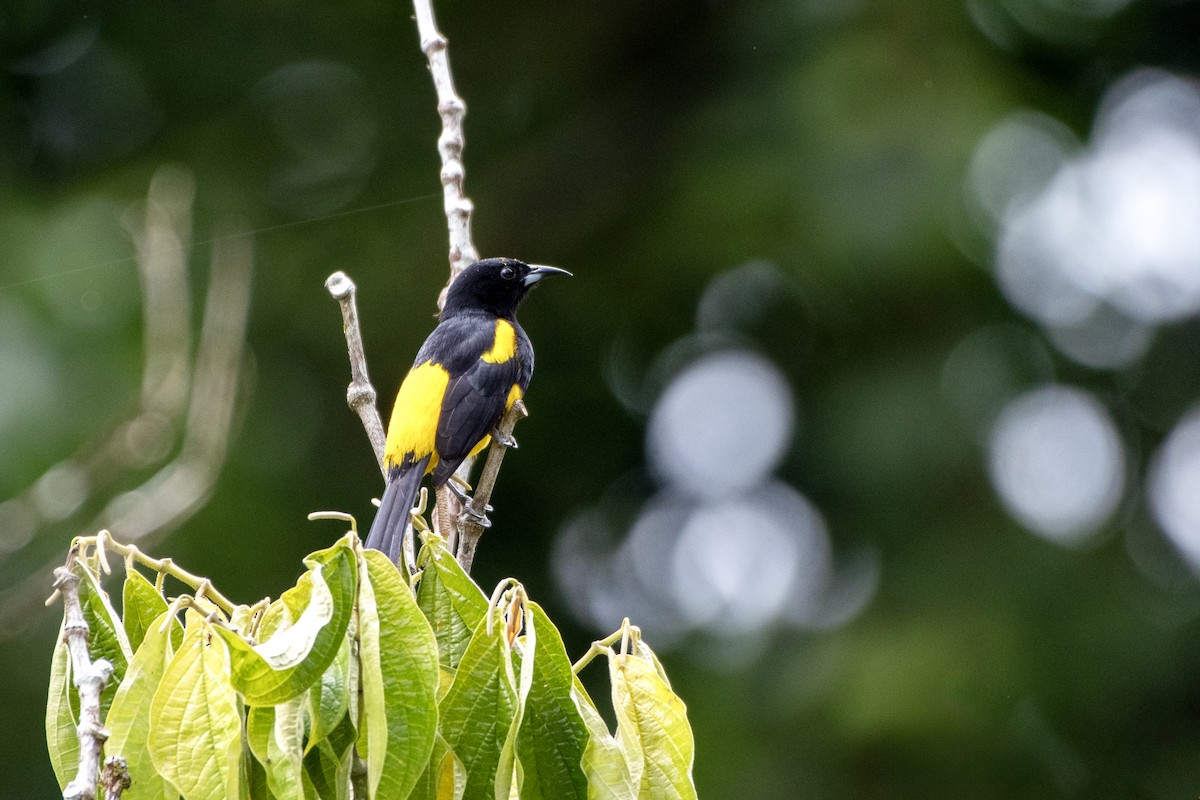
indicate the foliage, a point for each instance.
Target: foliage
{"x":360,"y":682}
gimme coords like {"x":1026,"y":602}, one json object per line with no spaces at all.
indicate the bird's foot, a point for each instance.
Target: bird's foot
{"x":471,"y":515}
{"x":508,"y":440}
{"x":460,"y":487}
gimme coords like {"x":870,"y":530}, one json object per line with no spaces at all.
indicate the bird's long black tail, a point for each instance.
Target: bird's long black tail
{"x":387,"y":531}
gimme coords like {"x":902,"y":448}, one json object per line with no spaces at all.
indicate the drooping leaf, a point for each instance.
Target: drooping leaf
{"x":128,"y":719}
{"x":553,"y":735}
{"x":400,"y":674}
{"x":327,"y":765}
{"x":478,"y":710}
{"x":293,"y":657}
{"x":604,"y":761}
{"x":61,"y":720}
{"x":140,"y":606}
{"x":276,"y":738}
{"x":655,"y":718}
{"x":329,"y":698}
{"x":195,"y":727}
{"x":106,"y":634}
{"x":451,"y":602}
{"x":509,"y":771}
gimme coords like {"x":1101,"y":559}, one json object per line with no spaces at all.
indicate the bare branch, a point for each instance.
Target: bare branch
{"x":452,"y":110}
{"x":471,"y":522}
{"x":90,"y":680}
{"x":361,"y":394}
{"x":448,"y":515}
{"x":165,"y":566}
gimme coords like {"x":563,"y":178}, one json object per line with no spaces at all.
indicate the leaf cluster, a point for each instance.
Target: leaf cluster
{"x":360,"y":682}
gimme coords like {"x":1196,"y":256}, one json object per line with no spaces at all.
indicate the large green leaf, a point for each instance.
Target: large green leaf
{"x":329,"y":698}
{"x":294,"y":656}
{"x":128,"y":719}
{"x":140,"y":606}
{"x":327,"y":765}
{"x":106,"y":634}
{"x":276,"y":738}
{"x":604,"y":762}
{"x":399,"y":678}
{"x":553,"y":735}
{"x":652,"y":726}
{"x":451,"y":602}
{"x":62,"y":737}
{"x":195,"y":725}
{"x":478,"y":710}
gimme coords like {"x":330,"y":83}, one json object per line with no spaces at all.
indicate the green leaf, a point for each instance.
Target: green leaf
{"x":653,"y":717}
{"x":128,"y":719}
{"x":398,"y":657}
{"x":62,"y":737}
{"x":195,"y":725}
{"x":451,"y":602}
{"x":509,"y":771}
{"x":444,"y":778}
{"x":295,"y":656}
{"x":276,"y":738}
{"x":604,"y":762}
{"x":106,"y":634}
{"x":140,"y":606}
{"x":553,"y":735}
{"x":327,"y":766}
{"x":478,"y":710}
{"x":329,"y":698}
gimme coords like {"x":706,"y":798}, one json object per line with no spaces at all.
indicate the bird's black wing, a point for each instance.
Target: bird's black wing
{"x":472,"y":406}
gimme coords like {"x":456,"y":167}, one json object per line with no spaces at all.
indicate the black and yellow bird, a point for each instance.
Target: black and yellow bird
{"x":471,"y":369}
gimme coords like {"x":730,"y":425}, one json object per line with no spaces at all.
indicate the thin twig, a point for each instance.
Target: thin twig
{"x":361,"y":394}
{"x":452,"y":110}
{"x":164,"y":566}
{"x":450,"y":519}
{"x":470,"y":523}
{"x":90,"y":680}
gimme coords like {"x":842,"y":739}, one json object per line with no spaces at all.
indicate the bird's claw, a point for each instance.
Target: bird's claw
{"x":459,"y":488}
{"x":478,"y":518}
{"x":506,"y":439}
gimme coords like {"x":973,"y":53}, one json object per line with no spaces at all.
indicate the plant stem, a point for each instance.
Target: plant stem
{"x":104,"y":541}
{"x":90,"y":680}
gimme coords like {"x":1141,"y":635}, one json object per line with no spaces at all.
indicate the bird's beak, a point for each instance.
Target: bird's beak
{"x":537,"y":272}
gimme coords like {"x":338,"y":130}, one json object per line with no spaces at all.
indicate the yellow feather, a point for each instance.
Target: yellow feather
{"x":413,"y":428}
{"x":504,"y":345}
{"x":514,"y":394}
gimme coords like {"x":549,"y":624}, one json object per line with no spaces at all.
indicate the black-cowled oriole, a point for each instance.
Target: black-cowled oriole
{"x":471,"y":369}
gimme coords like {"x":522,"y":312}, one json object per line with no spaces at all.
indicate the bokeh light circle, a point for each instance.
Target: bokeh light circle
{"x":1174,"y":487}
{"x":721,"y":425}
{"x":1057,"y":462}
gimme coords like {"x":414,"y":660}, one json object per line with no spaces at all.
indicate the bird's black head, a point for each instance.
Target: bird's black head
{"x":494,"y":285}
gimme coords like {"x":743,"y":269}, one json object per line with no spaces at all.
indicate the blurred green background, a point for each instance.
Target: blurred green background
{"x":870,"y":400}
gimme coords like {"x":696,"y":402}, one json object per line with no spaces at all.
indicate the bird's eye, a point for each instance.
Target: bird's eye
{"x":507,"y":273}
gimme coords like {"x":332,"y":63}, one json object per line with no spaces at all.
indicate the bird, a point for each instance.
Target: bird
{"x":471,"y":369}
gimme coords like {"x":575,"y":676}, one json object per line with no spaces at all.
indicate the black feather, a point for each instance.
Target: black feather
{"x":387,"y":531}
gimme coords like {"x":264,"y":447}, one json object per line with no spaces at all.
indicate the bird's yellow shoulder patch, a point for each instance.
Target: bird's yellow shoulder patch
{"x":412,"y":430}
{"x":514,"y":394}
{"x":504,"y":345}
